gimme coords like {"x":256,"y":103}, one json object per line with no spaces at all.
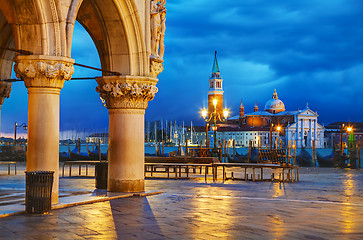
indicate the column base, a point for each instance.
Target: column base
{"x":115,"y":185}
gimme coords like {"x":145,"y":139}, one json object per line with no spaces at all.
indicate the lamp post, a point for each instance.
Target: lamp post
{"x":25,"y":127}
{"x":341,"y":139}
{"x":213,"y":117}
{"x":271,"y":126}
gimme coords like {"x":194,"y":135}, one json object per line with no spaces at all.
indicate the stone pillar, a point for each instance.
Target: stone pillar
{"x":126,"y":98}
{"x":5,"y":89}
{"x":317,"y":141}
{"x":44,"y":77}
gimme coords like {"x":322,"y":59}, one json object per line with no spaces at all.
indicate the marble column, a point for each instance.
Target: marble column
{"x":317,"y":141}
{"x":297,"y":135}
{"x":309,"y":142}
{"x":5,"y":89}
{"x":126,"y":98}
{"x":44,"y":77}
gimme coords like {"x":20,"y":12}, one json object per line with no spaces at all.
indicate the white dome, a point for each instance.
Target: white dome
{"x":274,"y":105}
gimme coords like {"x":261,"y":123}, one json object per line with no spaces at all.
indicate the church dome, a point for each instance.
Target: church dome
{"x":274,"y":105}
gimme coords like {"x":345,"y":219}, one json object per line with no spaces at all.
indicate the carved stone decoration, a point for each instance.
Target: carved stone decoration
{"x":126,"y":92}
{"x":5,"y":89}
{"x":43,"y":71}
{"x":157,"y":30}
{"x":156,"y":67}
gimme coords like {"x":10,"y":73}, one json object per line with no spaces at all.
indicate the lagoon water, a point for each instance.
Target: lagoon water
{"x":152,"y":150}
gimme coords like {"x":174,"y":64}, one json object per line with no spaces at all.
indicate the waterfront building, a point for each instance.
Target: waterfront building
{"x":332,"y":133}
{"x":300,"y":126}
{"x":97,"y":137}
{"x":241,"y":136}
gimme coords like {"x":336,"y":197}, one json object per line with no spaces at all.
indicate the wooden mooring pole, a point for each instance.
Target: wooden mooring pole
{"x":234,"y":148}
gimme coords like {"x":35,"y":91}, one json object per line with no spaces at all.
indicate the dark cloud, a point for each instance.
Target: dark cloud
{"x":310,"y":51}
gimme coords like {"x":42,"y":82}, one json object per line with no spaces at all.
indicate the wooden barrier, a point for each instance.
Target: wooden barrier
{"x":79,"y":164}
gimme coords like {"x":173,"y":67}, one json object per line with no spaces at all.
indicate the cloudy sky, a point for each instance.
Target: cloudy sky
{"x":310,"y":51}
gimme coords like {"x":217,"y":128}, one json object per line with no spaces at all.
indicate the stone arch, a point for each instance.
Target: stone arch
{"x":6,"y":41}
{"x":115,"y":28}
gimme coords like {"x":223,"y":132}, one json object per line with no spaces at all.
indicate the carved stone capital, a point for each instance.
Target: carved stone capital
{"x":44,"y":71}
{"x":127,"y":92}
{"x":156,"y":66}
{"x":5,"y":89}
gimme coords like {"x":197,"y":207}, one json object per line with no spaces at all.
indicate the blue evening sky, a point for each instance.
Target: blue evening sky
{"x":310,"y":51}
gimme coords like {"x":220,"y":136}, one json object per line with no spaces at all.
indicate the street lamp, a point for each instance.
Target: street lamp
{"x":25,"y":127}
{"x":278,"y":129}
{"x":213,"y":117}
{"x":271,"y":126}
{"x":349,"y":129}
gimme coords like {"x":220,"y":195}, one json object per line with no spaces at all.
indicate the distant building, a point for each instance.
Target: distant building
{"x":215,"y":89}
{"x":332,"y":133}
{"x":242,"y":137}
{"x":96,"y":137}
{"x":300,"y":126}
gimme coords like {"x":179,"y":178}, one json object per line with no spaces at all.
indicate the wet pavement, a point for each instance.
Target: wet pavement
{"x":325,"y":204}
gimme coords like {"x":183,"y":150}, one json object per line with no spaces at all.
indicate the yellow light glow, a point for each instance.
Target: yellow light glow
{"x":215,"y":102}
{"x":225,"y":113}
{"x":278,"y":128}
{"x":349,"y":129}
{"x":204,"y":113}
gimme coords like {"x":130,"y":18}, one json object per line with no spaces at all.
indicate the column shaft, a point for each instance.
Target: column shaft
{"x":126,"y":150}
{"x":43,"y":133}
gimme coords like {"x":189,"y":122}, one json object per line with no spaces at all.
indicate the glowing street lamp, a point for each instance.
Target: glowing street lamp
{"x":213,"y":117}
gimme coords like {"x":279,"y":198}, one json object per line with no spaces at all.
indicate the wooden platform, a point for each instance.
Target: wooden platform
{"x":179,"y":170}
{"x":291,"y":171}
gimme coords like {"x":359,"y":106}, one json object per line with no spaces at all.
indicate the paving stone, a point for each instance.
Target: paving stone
{"x":326,"y":204}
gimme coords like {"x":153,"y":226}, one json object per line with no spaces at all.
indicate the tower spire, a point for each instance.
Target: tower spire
{"x":241,"y":110}
{"x":215,"y":68}
{"x":255,"y":108}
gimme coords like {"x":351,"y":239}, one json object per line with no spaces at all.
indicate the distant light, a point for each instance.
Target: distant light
{"x":225,"y":113}
{"x":349,"y":129}
{"x":278,"y":128}
{"x":204,"y":113}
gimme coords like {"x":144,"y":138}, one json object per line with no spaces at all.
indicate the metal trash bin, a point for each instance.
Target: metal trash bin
{"x":101,"y":174}
{"x":38,"y":193}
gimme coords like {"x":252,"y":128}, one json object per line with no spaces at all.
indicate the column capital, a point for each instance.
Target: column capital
{"x":5,"y":89}
{"x":127,"y":92}
{"x":43,"y":71}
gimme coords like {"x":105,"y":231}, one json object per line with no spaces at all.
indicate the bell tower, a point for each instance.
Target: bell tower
{"x":241,"y":110}
{"x":215,"y":88}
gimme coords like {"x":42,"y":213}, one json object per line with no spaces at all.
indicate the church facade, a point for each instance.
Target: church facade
{"x":300,"y":126}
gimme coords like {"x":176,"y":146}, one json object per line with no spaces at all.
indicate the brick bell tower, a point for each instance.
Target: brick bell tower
{"x":215,"y":89}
